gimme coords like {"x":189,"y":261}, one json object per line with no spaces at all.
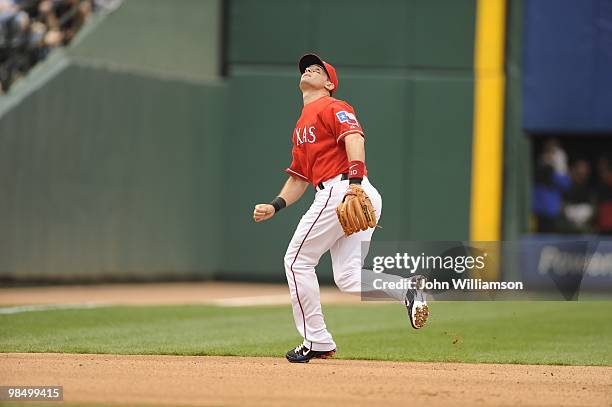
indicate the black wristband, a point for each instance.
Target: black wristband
{"x":355,"y":181}
{"x":278,"y":203}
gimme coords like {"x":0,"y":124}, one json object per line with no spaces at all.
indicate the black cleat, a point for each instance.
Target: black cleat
{"x":416,"y":303}
{"x":302,"y":354}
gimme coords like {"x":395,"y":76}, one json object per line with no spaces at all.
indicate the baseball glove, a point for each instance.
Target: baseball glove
{"x":356,"y":212}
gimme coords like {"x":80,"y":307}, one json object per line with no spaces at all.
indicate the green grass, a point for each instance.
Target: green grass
{"x":572,"y":333}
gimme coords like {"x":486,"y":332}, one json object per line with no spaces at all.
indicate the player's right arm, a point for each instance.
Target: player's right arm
{"x":293,"y":190}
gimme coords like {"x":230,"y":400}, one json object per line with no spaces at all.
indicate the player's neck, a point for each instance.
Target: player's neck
{"x":310,"y":96}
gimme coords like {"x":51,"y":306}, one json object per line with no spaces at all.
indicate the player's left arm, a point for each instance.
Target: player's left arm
{"x":354,"y":144}
{"x":355,"y":147}
{"x":356,"y":211}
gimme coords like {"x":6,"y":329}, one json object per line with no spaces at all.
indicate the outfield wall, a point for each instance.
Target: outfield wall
{"x":107,"y":165}
{"x":148,"y":163}
{"x":407,"y":70}
{"x":112,"y":181}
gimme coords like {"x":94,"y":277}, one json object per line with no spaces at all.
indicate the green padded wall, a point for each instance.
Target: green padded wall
{"x":110,"y":151}
{"x":261,"y":112}
{"x":360,"y":33}
{"x":440,"y":159}
{"x":419,"y":162}
{"x":114,"y":182}
{"x":259,"y":148}
{"x":406,"y":67}
{"x":174,"y":38}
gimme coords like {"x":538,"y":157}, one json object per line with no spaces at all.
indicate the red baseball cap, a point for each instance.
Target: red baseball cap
{"x":313,"y":59}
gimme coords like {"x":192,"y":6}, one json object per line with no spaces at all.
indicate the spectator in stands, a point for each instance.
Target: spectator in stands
{"x":604,"y":196}
{"x":14,"y":22}
{"x":14,"y":33}
{"x":30,"y":28}
{"x":23,"y":40}
{"x":551,"y":180}
{"x":65,"y":16}
{"x":578,"y":200}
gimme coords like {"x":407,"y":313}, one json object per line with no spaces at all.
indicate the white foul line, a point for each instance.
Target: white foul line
{"x":46,"y":307}
{"x":224,"y":302}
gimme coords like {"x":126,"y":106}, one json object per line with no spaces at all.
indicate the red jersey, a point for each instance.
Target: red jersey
{"x":318,"y":140}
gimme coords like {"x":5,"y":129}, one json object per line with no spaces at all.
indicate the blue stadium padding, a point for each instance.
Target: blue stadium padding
{"x":547,"y":258}
{"x":567,"y":81}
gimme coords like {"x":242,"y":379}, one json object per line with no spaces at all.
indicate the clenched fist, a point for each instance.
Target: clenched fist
{"x":263,"y":212}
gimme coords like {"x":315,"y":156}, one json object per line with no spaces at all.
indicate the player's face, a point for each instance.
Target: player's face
{"x":314,"y":77}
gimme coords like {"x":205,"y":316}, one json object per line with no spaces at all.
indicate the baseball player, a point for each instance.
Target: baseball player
{"x":329,"y":153}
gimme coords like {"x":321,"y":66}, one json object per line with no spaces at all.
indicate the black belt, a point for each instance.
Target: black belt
{"x":344,"y":178}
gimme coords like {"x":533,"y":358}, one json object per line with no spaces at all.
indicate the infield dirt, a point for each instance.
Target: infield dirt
{"x":227,"y":381}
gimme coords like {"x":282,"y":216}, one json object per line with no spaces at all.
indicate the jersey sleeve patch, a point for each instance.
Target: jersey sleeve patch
{"x":347,"y":117}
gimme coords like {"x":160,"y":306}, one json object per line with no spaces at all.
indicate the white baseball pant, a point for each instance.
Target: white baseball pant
{"x":318,"y":232}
